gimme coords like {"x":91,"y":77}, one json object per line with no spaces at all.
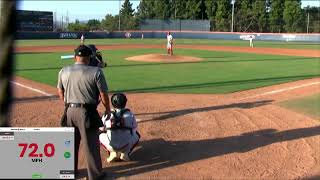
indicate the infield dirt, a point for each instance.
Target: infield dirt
{"x":202,"y":136}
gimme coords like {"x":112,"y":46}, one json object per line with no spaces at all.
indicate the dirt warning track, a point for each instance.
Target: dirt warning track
{"x":256,"y":50}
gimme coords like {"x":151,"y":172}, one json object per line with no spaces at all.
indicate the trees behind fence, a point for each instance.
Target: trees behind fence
{"x":275,"y":16}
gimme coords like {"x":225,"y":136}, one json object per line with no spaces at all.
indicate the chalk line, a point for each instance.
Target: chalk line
{"x":139,"y":120}
{"x":282,"y":90}
{"x":32,"y":89}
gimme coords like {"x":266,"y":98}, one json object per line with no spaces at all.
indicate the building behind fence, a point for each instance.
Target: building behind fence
{"x":34,"y":20}
{"x":175,"y":25}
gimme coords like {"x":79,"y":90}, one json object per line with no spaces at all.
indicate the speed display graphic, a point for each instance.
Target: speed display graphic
{"x":34,"y":146}
{"x":37,"y":153}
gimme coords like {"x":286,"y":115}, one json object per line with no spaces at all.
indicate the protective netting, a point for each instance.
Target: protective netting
{"x":7,"y":30}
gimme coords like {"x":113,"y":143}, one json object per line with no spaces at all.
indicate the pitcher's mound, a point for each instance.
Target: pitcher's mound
{"x":163,"y":58}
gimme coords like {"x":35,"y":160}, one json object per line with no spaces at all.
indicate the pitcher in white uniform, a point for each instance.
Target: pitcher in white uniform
{"x":82,"y":40}
{"x":169,"y":44}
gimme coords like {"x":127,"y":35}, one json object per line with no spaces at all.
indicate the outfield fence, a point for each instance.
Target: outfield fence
{"x":176,"y":25}
{"x":176,"y":34}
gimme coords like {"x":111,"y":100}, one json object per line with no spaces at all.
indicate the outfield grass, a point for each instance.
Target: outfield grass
{"x":307,"y":105}
{"x":74,"y":42}
{"x":220,"y":72}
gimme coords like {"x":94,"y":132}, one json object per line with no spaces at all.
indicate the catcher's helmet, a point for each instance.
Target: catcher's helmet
{"x":119,"y":100}
{"x":83,"y":51}
{"x":93,"y":48}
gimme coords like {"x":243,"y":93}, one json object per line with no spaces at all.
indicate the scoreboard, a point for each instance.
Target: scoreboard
{"x":34,"y":20}
{"x":37,"y":153}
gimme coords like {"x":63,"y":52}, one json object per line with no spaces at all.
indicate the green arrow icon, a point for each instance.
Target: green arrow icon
{"x":67,"y":154}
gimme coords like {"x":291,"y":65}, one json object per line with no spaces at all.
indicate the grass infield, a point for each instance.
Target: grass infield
{"x":220,"y":72}
{"x":309,"y":105}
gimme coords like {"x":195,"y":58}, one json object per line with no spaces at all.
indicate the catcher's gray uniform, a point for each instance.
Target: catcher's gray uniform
{"x":120,"y":140}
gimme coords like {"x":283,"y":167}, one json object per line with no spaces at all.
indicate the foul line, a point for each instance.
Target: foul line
{"x":282,"y":90}
{"x":32,"y":89}
{"x":139,"y":120}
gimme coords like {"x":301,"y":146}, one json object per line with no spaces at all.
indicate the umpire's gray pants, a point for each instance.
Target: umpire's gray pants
{"x":77,"y":117}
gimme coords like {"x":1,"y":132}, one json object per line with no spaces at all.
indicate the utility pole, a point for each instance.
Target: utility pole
{"x":202,"y":7}
{"x":55,"y":21}
{"x":175,"y":9}
{"x":308,"y":23}
{"x":67,"y":18}
{"x":119,"y":15}
{"x":232,"y":2}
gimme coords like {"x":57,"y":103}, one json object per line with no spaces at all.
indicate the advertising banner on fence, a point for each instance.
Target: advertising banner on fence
{"x":247,"y":36}
{"x":68,"y":35}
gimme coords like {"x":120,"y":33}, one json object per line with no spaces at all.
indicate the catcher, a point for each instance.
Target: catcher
{"x":169,"y":44}
{"x":119,"y":135}
{"x":96,"y":57}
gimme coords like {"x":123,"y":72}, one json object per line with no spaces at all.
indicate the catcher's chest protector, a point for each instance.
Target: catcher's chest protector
{"x":117,"y":122}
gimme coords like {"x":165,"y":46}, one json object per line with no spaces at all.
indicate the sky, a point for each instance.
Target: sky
{"x":85,"y":10}
{"x":82,"y":10}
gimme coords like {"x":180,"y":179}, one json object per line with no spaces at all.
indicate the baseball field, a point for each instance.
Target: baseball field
{"x":216,"y":109}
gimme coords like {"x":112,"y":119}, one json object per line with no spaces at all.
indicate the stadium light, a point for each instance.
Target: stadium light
{"x":232,"y":2}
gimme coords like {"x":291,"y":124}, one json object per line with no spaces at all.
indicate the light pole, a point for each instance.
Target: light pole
{"x":308,"y":23}
{"x":119,"y":13}
{"x":232,"y":2}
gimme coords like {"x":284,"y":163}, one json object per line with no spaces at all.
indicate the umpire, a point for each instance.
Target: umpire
{"x":80,"y":87}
